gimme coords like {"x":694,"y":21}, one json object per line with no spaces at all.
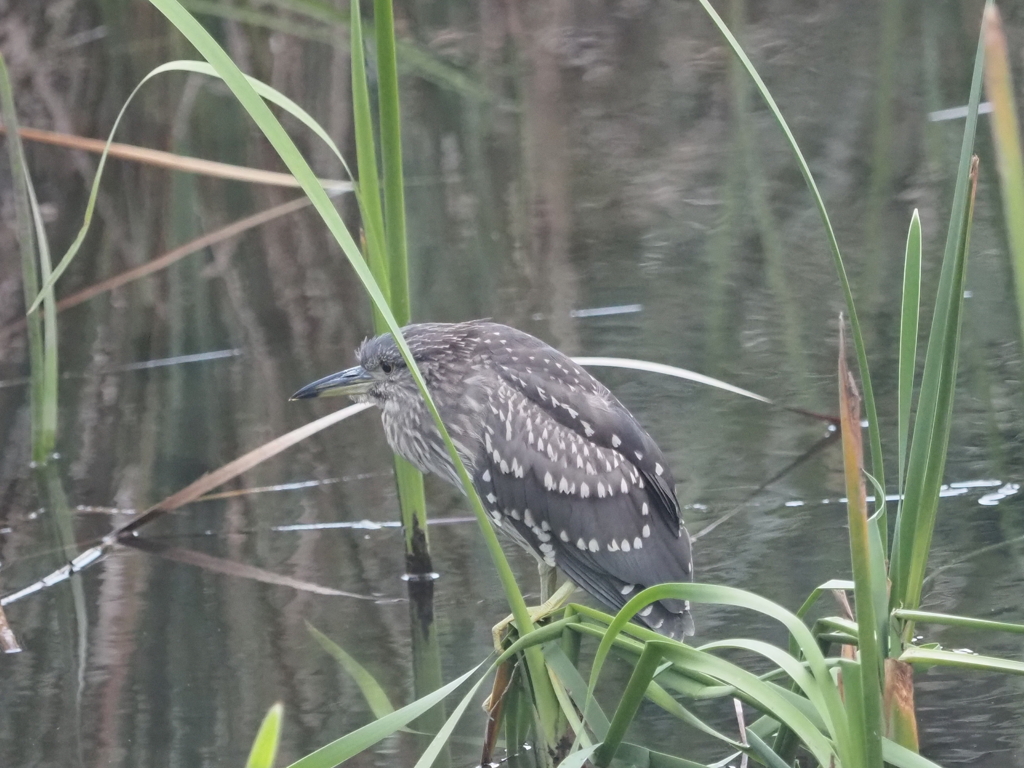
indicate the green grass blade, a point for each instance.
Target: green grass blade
{"x":366,"y":157}
{"x":759,"y":694}
{"x":576,"y":686}
{"x":579,"y":758}
{"x":629,"y":702}
{"x":766,"y":754}
{"x":252,"y":102}
{"x":29,"y":269}
{"x":945,"y":619}
{"x":930,"y":439}
{"x":662,"y":698}
{"x":1006,"y":138}
{"x":930,"y":657}
{"x":264,"y":747}
{"x":352,"y":744}
{"x":869,"y":671}
{"x":909,"y":319}
{"x":372,"y":691}
{"x":797,"y":672}
{"x":438,"y":742}
{"x":722,"y":595}
{"x":382,"y":258}
{"x":901,"y":757}
{"x":391,"y":159}
{"x":853,"y":695}
{"x":874,"y":434}
{"x":48,"y":432}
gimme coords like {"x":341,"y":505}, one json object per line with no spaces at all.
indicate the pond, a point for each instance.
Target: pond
{"x":601,"y":175}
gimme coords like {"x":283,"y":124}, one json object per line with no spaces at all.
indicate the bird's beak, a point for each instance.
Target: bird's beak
{"x":354,"y":381}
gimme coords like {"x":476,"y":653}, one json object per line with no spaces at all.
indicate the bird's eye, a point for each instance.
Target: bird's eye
{"x":386,"y":367}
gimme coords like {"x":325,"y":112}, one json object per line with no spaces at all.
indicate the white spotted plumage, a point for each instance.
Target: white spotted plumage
{"x":540,"y":435}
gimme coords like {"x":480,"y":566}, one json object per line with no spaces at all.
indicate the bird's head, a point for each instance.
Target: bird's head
{"x":382,"y":377}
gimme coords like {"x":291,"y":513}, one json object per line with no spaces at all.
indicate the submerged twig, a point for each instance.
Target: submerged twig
{"x":242,"y":570}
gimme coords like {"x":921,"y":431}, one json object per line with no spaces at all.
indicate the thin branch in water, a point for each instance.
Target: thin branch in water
{"x":242,"y":570}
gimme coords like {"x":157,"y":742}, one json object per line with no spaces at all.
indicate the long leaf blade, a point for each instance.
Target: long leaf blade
{"x":352,"y":744}
{"x":41,"y":446}
{"x":264,"y":747}
{"x":372,"y":691}
{"x":869,"y":670}
{"x":909,"y":319}
{"x":928,"y":445}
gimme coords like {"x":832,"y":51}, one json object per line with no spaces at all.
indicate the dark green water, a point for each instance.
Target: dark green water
{"x":625,"y":165}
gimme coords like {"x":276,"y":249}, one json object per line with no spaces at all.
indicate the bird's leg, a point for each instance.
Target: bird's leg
{"x":537,"y":612}
{"x":548,"y":579}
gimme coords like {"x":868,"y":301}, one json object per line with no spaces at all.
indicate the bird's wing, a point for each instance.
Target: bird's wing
{"x":578,"y":505}
{"x":570,"y":396}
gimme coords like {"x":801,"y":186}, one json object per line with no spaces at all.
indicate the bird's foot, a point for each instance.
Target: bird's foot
{"x":537,"y":612}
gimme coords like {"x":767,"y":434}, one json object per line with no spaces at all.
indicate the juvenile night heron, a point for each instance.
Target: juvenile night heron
{"x":560,"y":464}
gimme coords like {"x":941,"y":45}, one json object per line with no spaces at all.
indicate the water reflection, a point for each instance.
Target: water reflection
{"x":625,"y":166}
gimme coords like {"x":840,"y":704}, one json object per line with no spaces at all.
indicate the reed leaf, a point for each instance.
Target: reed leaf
{"x":437,"y":744}
{"x":233,"y":469}
{"x":264,"y":747}
{"x":42,"y":410}
{"x":369,"y":182}
{"x":901,"y":757}
{"x":916,"y":519}
{"x":579,"y":758}
{"x":870,"y":668}
{"x":385,"y":241}
{"x":909,"y":319}
{"x":936,"y":657}
{"x":721,"y":595}
{"x":945,"y":619}
{"x":748,"y":687}
{"x":340,"y":750}
{"x":391,"y":159}
{"x":51,"y":372}
{"x":372,"y":691}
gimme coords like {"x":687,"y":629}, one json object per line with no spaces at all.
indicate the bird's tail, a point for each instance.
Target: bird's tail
{"x":673,"y":624}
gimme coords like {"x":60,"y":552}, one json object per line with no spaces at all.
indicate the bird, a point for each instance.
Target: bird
{"x":561,"y":466}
